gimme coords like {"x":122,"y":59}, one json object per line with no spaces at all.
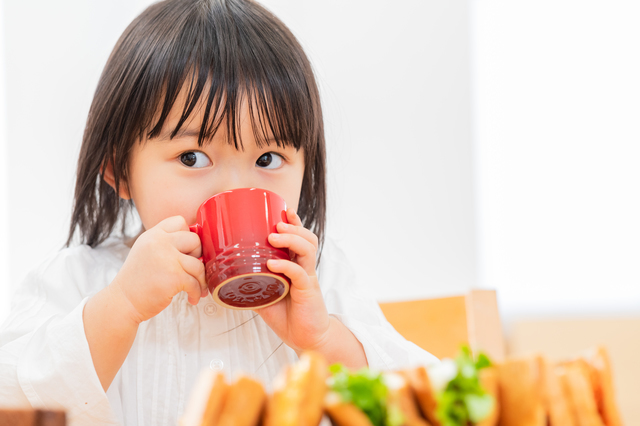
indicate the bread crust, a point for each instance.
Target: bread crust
{"x":244,"y":403}
{"x":344,"y":413}
{"x":207,"y":399}
{"x":521,"y":392}
{"x":576,"y":379}
{"x":558,"y":407}
{"x":298,"y":394}
{"x":420,"y":385}
{"x":598,"y":360}
{"x":403,"y":397}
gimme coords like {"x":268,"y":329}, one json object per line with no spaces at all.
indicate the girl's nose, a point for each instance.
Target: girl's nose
{"x":231,"y":178}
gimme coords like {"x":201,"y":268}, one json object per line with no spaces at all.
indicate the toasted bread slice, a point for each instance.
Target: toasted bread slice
{"x":419,"y":383}
{"x":244,"y":403}
{"x":598,"y":360}
{"x":214,"y":402}
{"x":521,"y":392}
{"x":207,"y":399}
{"x":401,"y":396}
{"x":298,"y":393}
{"x":344,"y":413}
{"x":576,"y":378}
{"x":559,"y":408}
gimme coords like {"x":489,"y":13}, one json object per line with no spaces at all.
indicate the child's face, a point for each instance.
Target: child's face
{"x":169,"y":177}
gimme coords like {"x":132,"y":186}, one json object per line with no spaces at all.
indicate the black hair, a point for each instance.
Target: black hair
{"x":223,"y":52}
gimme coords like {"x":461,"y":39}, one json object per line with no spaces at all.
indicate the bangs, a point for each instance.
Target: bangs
{"x":222,"y":59}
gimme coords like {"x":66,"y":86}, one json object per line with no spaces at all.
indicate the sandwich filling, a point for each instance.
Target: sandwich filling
{"x":368,"y":390}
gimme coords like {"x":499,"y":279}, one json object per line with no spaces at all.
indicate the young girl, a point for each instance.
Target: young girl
{"x":197,"y":97}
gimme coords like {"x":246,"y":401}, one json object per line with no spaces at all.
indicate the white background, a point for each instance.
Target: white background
{"x":484,"y":143}
{"x":557,"y":108}
{"x":5,"y":288}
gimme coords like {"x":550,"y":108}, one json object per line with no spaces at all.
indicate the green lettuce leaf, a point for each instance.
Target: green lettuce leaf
{"x":463,"y":400}
{"x":478,"y":406}
{"x":366,"y":389}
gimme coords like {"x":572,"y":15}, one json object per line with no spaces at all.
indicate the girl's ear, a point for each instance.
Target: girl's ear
{"x":107,"y":175}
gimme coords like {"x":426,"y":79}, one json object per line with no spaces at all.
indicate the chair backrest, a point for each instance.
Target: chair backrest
{"x":440,"y":326}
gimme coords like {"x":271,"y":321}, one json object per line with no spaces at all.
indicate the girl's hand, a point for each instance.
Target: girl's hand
{"x":301,"y":319}
{"x":163,"y":262}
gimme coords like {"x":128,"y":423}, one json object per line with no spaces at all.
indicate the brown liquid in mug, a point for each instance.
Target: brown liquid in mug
{"x":250,"y":291}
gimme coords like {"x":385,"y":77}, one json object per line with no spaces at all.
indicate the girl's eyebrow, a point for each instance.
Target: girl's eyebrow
{"x":165,"y":136}
{"x":182,"y":133}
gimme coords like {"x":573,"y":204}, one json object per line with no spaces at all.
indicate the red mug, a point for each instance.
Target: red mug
{"x":233,"y":227}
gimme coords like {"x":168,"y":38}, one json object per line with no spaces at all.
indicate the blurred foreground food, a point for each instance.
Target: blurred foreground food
{"x":455,"y":392}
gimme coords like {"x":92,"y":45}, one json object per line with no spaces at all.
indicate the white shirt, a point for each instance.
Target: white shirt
{"x":45,"y":359}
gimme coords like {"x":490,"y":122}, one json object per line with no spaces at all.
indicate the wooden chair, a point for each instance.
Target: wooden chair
{"x":31,"y":417}
{"x":440,"y":326}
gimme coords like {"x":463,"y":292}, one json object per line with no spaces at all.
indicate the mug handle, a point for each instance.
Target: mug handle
{"x":195,"y":228}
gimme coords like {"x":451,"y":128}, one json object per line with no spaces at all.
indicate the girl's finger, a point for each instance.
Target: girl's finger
{"x":293,"y":217}
{"x":299,"y":277}
{"x":195,"y":268}
{"x":192,"y":288}
{"x":173,"y":224}
{"x":304,"y":250}
{"x":286,"y":228}
{"x":186,"y":242}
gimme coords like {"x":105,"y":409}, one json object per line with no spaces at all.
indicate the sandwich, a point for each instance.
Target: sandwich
{"x":456,"y":392}
{"x":588,"y":387}
{"x":525,"y":391}
{"x":215,"y":402}
{"x":369,"y":398}
{"x":578,"y":392}
{"x":559,"y":410}
{"x":522,"y":392}
{"x":598,"y":361}
{"x":298,"y":393}
{"x":578,"y":387}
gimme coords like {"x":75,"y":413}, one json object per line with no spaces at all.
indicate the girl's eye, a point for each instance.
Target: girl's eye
{"x":195,"y":159}
{"x":270,"y":160}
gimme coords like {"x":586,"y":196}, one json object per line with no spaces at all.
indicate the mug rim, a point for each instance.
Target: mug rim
{"x":245,"y":189}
